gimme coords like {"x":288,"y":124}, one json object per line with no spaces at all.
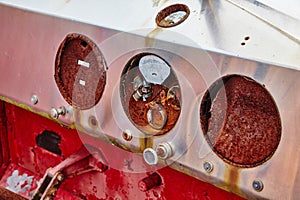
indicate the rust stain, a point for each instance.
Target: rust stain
{"x":150,"y":38}
{"x":145,"y":143}
{"x":231,"y":178}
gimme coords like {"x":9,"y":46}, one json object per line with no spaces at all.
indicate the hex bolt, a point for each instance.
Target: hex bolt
{"x":164,"y":150}
{"x":150,"y":182}
{"x":208,"y":167}
{"x":55,"y":113}
{"x":34,"y":99}
{"x":258,"y":185}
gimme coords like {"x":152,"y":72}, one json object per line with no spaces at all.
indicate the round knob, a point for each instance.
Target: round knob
{"x":150,"y":156}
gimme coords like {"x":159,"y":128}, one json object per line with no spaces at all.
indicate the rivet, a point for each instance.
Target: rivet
{"x":34,"y":99}
{"x":258,"y":185}
{"x":208,"y":167}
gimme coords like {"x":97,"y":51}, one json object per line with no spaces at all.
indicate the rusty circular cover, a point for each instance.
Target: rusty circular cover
{"x":80,"y":71}
{"x":240,"y":121}
{"x":164,"y":103}
{"x":172,"y":15}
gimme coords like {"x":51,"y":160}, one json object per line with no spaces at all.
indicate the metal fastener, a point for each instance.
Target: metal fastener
{"x":258,"y":185}
{"x":150,"y":156}
{"x":150,"y":182}
{"x":60,"y":177}
{"x":34,"y":99}
{"x":164,"y":150}
{"x":208,"y":167}
{"x":127,"y":135}
{"x":55,"y":113}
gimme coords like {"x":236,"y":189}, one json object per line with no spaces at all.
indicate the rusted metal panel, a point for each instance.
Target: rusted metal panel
{"x":196,"y":40}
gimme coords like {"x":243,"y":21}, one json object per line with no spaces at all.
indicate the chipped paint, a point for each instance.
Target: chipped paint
{"x":18,"y":183}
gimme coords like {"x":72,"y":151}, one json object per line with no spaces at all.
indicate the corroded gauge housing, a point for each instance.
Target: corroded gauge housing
{"x":240,"y":121}
{"x":150,"y":94}
{"x":80,"y":71}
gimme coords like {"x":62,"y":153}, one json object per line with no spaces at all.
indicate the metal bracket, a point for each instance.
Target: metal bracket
{"x":86,"y":159}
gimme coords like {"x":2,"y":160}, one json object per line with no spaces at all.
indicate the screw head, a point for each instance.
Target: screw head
{"x":34,"y":99}
{"x":208,"y":167}
{"x":258,"y":185}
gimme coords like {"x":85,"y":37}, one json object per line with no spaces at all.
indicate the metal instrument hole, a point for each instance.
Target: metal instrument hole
{"x":146,"y":82}
{"x":172,"y":15}
{"x":80,"y":71}
{"x":240,"y":121}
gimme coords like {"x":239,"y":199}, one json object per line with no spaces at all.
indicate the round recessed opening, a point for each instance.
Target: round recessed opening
{"x":80,"y":71}
{"x":240,"y":121}
{"x":150,"y":94}
{"x":172,"y":15}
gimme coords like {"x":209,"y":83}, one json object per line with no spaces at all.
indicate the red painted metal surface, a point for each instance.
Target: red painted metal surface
{"x":24,"y":163}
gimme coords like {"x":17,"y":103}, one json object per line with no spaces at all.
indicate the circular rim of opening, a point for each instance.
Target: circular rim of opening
{"x":59,"y":82}
{"x":216,"y":86}
{"x":135,"y":58}
{"x":168,"y":11}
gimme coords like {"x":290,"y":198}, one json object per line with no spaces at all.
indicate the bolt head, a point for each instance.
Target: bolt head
{"x":164,"y":150}
{"x":34,"y":99}
{"x":54,"y":113}
{"x":208,"y":167}
{"x":258,"y":185}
